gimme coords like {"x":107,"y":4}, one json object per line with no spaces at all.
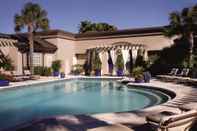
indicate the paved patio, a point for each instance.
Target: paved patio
{"x":134,"y":120}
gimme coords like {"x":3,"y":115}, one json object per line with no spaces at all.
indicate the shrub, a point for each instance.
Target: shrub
{"x":38,"y":70}
{"x":96,"y":62}
{"x":174,"y":56}
{"x":6,"y":63}
{"x":77,"y":69}
{"x":137,"y":72}
{"x":119,"y":60}
{"x":43,"y":71}
{"x":6,"y":77}
{"x":47,"y":71}
{"x":2,"y":77}
{"x":56,"y":65}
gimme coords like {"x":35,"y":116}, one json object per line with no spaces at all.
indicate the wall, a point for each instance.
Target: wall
{"x":151,"y":42}
{"x":68,"y":48}
{"x":65,"y":52}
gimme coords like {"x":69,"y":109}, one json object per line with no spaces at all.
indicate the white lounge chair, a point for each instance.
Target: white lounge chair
{"x":174,"y":71}
{"x":172,"y":122}
{"x":184,"y":72}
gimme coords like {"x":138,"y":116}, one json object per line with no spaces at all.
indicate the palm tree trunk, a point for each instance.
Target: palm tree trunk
{"x":31,"y":47}
{"x":191,"y":41}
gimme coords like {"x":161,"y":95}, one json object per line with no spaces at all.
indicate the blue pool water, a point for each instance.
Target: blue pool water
{"x":72,"y":97}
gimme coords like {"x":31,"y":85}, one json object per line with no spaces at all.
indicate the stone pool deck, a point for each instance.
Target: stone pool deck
{"x":134,"y":120}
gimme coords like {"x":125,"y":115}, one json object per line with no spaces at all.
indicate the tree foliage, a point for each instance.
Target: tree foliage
{"x":183,"y":24}
{"x":33,"y":18}
{"x":31,"y":15}
{"x":88,"y":26}
{"x":175,"y":56}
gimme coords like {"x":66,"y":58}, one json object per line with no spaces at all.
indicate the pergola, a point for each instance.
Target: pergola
{"x":129,"y":51}
{"x":6,"y":41}
{"x":118,"y":45}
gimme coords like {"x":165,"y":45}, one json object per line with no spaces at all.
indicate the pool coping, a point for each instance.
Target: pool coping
{"x":50,"y":79}
{"x":114,"y":117}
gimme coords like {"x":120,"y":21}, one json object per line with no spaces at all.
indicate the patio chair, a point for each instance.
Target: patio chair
{"x":172,"y":121}
{"x":27,"y":73}
{"x":184,"y":72}
{"x":174,"y":71}
{"x":22,"y":77}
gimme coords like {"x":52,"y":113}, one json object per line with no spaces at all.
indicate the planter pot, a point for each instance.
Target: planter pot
{"x":147,"y":77}
{"x":119,"y":72}
{"x":4,"y":83}
{"x":56,"y":73}
{"x":97,"y":72}
{"x":62,"y":75}
{"x":139,"y":80}
{"x":111,"y":68}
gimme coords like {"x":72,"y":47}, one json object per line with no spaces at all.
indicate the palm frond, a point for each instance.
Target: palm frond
{"x":175,"y":19}
{"x":19,"y":23}
{"x":32,"y":14}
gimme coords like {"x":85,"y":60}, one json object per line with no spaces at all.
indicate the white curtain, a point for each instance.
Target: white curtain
{"x":134,"y":53}
{"x":101,"y":56}
{"x":145,"y":55}
{"x":104,"y":56}
{"x":125,"y":54}
{"x":74,"y":60}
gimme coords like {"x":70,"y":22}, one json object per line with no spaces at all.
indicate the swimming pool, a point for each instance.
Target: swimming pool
{"x":77,"y":96}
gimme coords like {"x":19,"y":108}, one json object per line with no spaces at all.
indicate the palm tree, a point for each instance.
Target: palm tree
{"x":34,"y":18}
{"x":183,"y":24}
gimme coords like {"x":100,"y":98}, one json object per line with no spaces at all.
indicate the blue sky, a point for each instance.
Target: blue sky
{"x":67,"y":14}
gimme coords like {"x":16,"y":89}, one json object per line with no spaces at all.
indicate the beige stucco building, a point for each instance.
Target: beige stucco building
{"x":71,"y":48}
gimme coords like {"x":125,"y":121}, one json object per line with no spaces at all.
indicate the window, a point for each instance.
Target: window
{"x":37,"y":59}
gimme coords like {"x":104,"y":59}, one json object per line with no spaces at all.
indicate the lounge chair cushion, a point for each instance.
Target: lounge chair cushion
{"x":159,"y":117}
{"x":170,"y":121}
{"x":189,"y":106}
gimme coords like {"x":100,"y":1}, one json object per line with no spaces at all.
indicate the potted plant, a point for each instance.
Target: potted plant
{"x":97,"y":64}
{"x":6,"y":64}
{"x":137,"y":73}
{"x":62,"y":75}
{"x":77,"y":69}
{"x":56,"y":65}
{"x":119,"y":63}
{"x":3,"y":80}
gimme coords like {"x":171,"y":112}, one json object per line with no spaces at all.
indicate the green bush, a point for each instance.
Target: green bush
{"x":38,"y":70}
{"x":2,"y":77}
{"x":137,"y":72}
{"x":77,"y":69}
{"x":6,"y":63}
{"x":96,"y":62}
{"x":175,"y":56}
{"x":47,"y":71}
{"x":6,"y":77}
{"x":56,"y":65}
{"x":119,"y":60}
{"x":43,"y":71}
